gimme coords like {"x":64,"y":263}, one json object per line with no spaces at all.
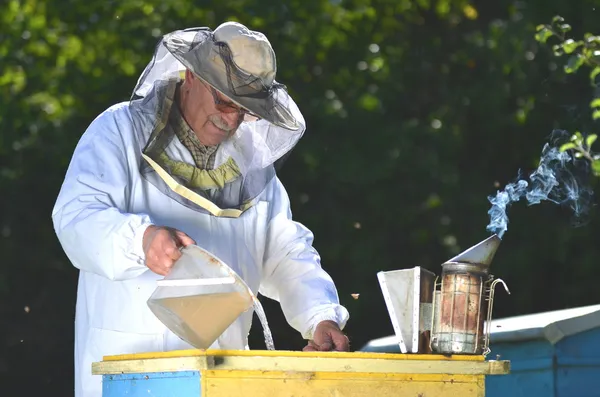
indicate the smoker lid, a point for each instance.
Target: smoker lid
{"x":479,"y":254}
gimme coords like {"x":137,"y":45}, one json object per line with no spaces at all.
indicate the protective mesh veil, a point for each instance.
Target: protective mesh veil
{"x":246,"y":162}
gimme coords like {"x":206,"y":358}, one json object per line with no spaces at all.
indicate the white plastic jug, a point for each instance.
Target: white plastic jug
{"x":200,"y":297}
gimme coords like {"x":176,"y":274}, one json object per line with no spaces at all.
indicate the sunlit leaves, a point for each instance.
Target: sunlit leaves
{"x":14,"y":77}
{"x":582,"y":148}
{"x":596,"y":167}
{"x":369,"y":102}
{"x":567,"y":146}
{"x":71,"y":47}
{"x":442,"y":7}
{"x":577,"y":138}
{"x":571,"y":45}
{"x":581,"y":52}
{"x":574,"y":63}
{"x":470,"y":12}
{"x":543,"y":33}
{"x":576,"y":142}
{"x":595,"y":105}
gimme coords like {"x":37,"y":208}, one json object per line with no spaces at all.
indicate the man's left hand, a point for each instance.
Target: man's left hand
{"x":328,"y":337}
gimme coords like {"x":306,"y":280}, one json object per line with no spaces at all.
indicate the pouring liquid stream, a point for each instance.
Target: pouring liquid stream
{"x":258,"y":309}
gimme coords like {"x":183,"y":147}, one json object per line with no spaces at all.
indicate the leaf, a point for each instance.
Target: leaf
{"x":557,"y":19}
{"x":596,"y":114}
{"x":574,"y":63}
{"x":595,"y":103}
{"x":567,"y":146}
{"x":558,"y":50}
{"x":543,"y":35}
{"x":442,"y":7}
{"x":571,"y":45}
{"x":577,"y":138}
{"x":565,"y":27}
{"x":470,"y":12}
{"x":369,"y":102}
{"x":594,"y":74}
{"x":592,"y":39}
{"x":590,"y":140}
{"x":596,"y":167}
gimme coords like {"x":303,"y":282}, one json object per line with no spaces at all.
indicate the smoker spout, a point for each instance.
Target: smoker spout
{"x":480,"y":254}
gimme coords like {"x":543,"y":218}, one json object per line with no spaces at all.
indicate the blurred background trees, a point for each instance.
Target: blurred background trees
{"x":417,"y":111}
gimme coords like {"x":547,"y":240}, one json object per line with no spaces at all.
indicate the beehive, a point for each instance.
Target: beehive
{"x":249,"y":373}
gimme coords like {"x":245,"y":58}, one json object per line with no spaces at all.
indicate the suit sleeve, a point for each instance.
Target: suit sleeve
{"x":89,"y":216}
{"x":292,"y":272}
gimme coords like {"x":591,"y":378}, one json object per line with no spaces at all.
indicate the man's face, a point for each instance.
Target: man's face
{"x":212,"y":116}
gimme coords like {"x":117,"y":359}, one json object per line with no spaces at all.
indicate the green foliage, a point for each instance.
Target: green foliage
{"x":582,"y":147}
{"x":581,"y":52}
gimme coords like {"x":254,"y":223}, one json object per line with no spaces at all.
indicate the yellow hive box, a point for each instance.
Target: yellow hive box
{"x":219,"y":373}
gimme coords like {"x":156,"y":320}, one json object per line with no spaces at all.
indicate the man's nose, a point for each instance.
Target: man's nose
{"x":232,"y":119}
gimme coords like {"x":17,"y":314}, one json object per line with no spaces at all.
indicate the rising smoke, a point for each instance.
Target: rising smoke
{"x":558,"y":179}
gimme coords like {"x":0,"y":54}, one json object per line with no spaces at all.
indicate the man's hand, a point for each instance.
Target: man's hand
{"x":161,"y":245}
{"x":327,"y":337}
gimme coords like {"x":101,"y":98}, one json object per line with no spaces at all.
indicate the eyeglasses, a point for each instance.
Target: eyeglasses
{"x":229,"y":107}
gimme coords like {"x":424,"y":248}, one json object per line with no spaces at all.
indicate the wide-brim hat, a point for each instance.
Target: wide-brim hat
{"x":239,"y":63}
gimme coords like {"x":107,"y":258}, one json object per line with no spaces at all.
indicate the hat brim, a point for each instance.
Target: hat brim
{"x":206,"y":62}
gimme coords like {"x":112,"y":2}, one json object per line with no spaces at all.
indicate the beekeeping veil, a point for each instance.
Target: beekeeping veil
{"x":241,"y":65}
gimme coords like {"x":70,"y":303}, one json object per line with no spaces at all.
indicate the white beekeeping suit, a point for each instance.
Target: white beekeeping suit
{"x":128,"y":171}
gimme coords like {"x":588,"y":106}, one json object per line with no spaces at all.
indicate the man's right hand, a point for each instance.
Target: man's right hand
{"x":161,"y":245}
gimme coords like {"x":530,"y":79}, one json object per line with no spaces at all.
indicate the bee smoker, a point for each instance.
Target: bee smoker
{"x":463,"y":300}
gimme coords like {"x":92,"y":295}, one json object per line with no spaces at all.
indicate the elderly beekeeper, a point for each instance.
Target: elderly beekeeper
{"x":190,"y":159}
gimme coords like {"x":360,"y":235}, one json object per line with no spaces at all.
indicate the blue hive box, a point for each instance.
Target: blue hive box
{"x":552,"y":354}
